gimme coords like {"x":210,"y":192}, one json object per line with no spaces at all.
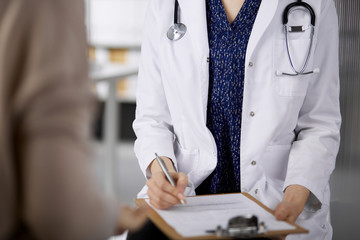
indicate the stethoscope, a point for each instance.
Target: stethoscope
{"x":178,"y":30}
{"x":289,"y":8}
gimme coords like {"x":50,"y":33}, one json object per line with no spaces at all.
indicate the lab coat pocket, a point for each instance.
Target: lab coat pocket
{"x":270,"y":193}
{"x":187,"y":159}
{"x":286,"y":85}
{"x":316,"y":222}
{"x":273,"y":166}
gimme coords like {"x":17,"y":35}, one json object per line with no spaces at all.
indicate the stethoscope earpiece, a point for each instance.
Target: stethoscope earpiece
{"x":177,"y":30}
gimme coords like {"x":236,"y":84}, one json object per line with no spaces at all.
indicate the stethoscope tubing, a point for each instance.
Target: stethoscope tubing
{"x":176,"y":12}
{"x":299,"y":3}
{"x":178,"y":30}
{"x":286,"y":13}
{"x":302,"y":71}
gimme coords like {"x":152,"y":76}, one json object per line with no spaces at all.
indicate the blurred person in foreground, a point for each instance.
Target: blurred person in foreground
{"x":46,"y":187}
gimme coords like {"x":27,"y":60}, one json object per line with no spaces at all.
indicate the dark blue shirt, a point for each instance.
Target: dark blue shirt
{"x":227,"y":43}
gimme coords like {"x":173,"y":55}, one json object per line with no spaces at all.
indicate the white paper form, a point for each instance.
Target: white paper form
{"x":203,"y":213}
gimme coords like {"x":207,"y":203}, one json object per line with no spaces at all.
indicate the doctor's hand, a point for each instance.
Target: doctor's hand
{"x":292,"y":204}
{"x":161,"y":193}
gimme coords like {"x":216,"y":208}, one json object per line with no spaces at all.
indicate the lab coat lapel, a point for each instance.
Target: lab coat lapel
{"x":266,"y":13}
{"x":193,"y":15}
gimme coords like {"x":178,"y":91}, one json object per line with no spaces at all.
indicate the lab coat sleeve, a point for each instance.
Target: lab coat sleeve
{"x":153,"y":123}
{"x":313,"y":154}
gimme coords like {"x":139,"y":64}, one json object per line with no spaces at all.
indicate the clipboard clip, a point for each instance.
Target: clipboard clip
{"x":241,"y":227}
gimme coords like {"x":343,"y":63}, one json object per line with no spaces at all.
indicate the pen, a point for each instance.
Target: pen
{"x":167,"y":174}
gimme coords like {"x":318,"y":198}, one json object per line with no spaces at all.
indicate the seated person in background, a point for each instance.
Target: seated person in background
{"x":46,"y":187}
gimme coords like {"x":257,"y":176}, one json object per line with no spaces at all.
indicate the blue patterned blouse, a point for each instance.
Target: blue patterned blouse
{"x":228,"y":43}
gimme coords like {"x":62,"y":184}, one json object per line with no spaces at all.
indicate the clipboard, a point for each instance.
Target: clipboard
{"x":171,"y":233}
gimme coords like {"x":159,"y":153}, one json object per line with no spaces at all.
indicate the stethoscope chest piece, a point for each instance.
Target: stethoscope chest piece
{"x":176,"y":31}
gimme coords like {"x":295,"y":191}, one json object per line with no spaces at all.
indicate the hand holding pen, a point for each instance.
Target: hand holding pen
{"x":162,"y":193}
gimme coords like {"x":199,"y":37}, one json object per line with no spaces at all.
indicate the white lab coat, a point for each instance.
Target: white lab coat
{"x":290,"y":125}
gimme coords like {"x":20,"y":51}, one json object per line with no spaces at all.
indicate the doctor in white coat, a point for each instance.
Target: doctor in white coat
{"x":290,"y":124}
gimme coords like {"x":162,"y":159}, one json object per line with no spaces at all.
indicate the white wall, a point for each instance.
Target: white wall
{"x":116,"y":21}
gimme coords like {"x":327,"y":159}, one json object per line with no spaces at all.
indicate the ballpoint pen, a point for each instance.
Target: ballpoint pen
{"x":167,"y":174}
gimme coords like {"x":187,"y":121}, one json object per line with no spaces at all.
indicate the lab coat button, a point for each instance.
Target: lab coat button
{"x":208,"y":59}
{"x":253,"y":163}
{"x":251,"y":64}
{"x":252,"y":114}
{"x":256,"y":191}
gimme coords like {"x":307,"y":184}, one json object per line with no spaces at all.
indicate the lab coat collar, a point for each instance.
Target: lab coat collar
{"x":265,"y":14}
{"x":193,"y":15}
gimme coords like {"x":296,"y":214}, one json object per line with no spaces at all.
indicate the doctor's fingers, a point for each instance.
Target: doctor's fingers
{"x":286,"y":211}
{"x":161,"y":199}
{"x":162,"y":186}
{"x":158,"y":180}
{"x":181,"y":180}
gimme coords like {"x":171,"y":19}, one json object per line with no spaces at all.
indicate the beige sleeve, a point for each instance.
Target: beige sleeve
{"x":60,"y":197}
